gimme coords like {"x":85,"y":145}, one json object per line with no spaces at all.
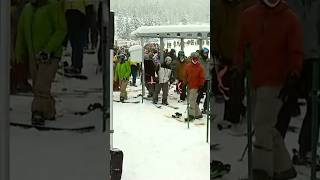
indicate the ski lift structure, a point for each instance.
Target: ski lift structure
{"x":182,"y":32}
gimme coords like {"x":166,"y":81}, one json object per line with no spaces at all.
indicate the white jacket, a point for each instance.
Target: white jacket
{"x":164,"y":75}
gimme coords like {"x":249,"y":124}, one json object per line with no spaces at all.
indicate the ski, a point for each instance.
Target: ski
{"x":47,"y":128}
{"x":157,"y":106}
{"x":69,"y":75}
{"x":170,"y":106}
{"x":133,"y":102}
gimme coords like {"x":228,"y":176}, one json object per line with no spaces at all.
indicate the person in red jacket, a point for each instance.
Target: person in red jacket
{"x":273,"y":34}
{"x":194,"y":78}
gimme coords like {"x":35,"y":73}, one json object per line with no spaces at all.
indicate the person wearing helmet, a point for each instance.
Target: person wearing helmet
{"x":310,"y":18}
{"x":122,"y":73}
{"x":194,"y":79}
{"x":275,"y":63}
{"x":164,"y":76}
{"x":182,"y":61}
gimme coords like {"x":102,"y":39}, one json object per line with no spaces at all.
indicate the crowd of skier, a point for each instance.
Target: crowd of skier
{"x":280,"y":38}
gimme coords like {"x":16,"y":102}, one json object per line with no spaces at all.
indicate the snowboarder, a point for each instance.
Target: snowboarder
{"x":164,"y":77}
{"x":150,"y":80}
{"x":310,"y":19}
{"x":275,"y":60}
{"x":182,"y":61}
{"x":122,"y":74}
{"x":207,"y":65}
{"x":41,"y":31}
{"x":194,"y":78}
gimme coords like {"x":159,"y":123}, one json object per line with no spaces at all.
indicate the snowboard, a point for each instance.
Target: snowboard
{"x":48,"y":128}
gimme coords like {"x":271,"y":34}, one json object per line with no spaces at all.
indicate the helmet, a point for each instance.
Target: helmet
{"x":168,"y":60}
{"x":205,"y":50}
{"x":194,"y":54}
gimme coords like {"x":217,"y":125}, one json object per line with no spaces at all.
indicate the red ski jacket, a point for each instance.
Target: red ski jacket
{"x":275,"y":39}
{"x":194,"y":75}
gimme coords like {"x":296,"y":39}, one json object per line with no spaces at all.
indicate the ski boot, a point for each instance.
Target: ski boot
{"x":37,"y":119}
{"x":304,"y":160}
{"x":199,"y":117}
{"x":165,"y":102}
{"x":288,"y":174}
{"x":177,"y":115}
{"x":218,"y":169}
{"x":190,"y":118}
{"x":122,"y":99}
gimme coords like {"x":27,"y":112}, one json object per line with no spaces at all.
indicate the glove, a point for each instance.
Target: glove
{"x":289,"y":89}
{"x":43,"y":56}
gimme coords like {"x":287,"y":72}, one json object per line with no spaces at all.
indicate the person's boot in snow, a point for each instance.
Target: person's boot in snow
{"x":165,"y":102}
{"x":122,"y":99}
{"x":37,"y":119}
{"x":285,"y":175}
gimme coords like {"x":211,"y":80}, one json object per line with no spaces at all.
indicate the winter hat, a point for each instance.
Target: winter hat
{"x":168,"y":60}
{"x":205,"y":50}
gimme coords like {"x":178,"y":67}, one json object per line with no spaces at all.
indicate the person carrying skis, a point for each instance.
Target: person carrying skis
{"x":41,"y":31}
{"x":275,"y":64}
{"x":182,"y":61}
{"x":310,"y":18}
{"x":164,"y":77}
{"x":194,"y":79}
{"x":122,"y":73}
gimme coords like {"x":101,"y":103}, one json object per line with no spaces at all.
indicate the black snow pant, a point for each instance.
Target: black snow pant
{"x":234,"y":108}
{"x":76,"y":33}
{"x":286,"y":112}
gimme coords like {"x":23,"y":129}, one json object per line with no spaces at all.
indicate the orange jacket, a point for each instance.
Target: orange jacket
{"x":194,"y":76}
{"x":276,"y":43}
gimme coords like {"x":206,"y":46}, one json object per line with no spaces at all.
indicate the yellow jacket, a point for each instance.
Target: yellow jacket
{"x":76,"y":4}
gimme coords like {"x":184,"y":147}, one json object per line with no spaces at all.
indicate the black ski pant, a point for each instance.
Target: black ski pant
{"x":134,"y":72}
{"x":290,"y":107}
{"x":234,"y":108}
{"x":76,"y":33}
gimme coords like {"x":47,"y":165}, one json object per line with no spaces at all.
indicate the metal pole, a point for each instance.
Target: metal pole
{"x":200,"y":44}
{"x":182,"y":44}
{"x":249,"y":124}
{"x":315,"y":117}
{"x":161,"y":50}
{"x":4,"y":89}
{"x":105,"y":29}
{"x":143,"y":71}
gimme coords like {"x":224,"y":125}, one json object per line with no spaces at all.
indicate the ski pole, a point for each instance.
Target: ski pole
{"x":248,"y":114}
{"x":315,"y":116}
{"x":188,"y":105}
{"x":208,"y":107}
{"x":245,"y":150}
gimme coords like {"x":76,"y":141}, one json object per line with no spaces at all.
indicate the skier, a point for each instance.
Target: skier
{"x":76,"y":21}
{"x":134,"y":71}
{"x":150,"y":79}
{"x":41,"y":43}
{"x":310,"y":18}
{"x":207,"y":65}
{"x":122,"y":73}
{"x":164,"y":77}
{"x":275,"y":61}
{"x":194,"y":78}
{"x":225,"y":32}
{"x":182,"y":61}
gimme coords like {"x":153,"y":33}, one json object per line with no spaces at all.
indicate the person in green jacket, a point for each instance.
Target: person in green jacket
{"x":41,"y":31}
{"x":122,"y":73}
